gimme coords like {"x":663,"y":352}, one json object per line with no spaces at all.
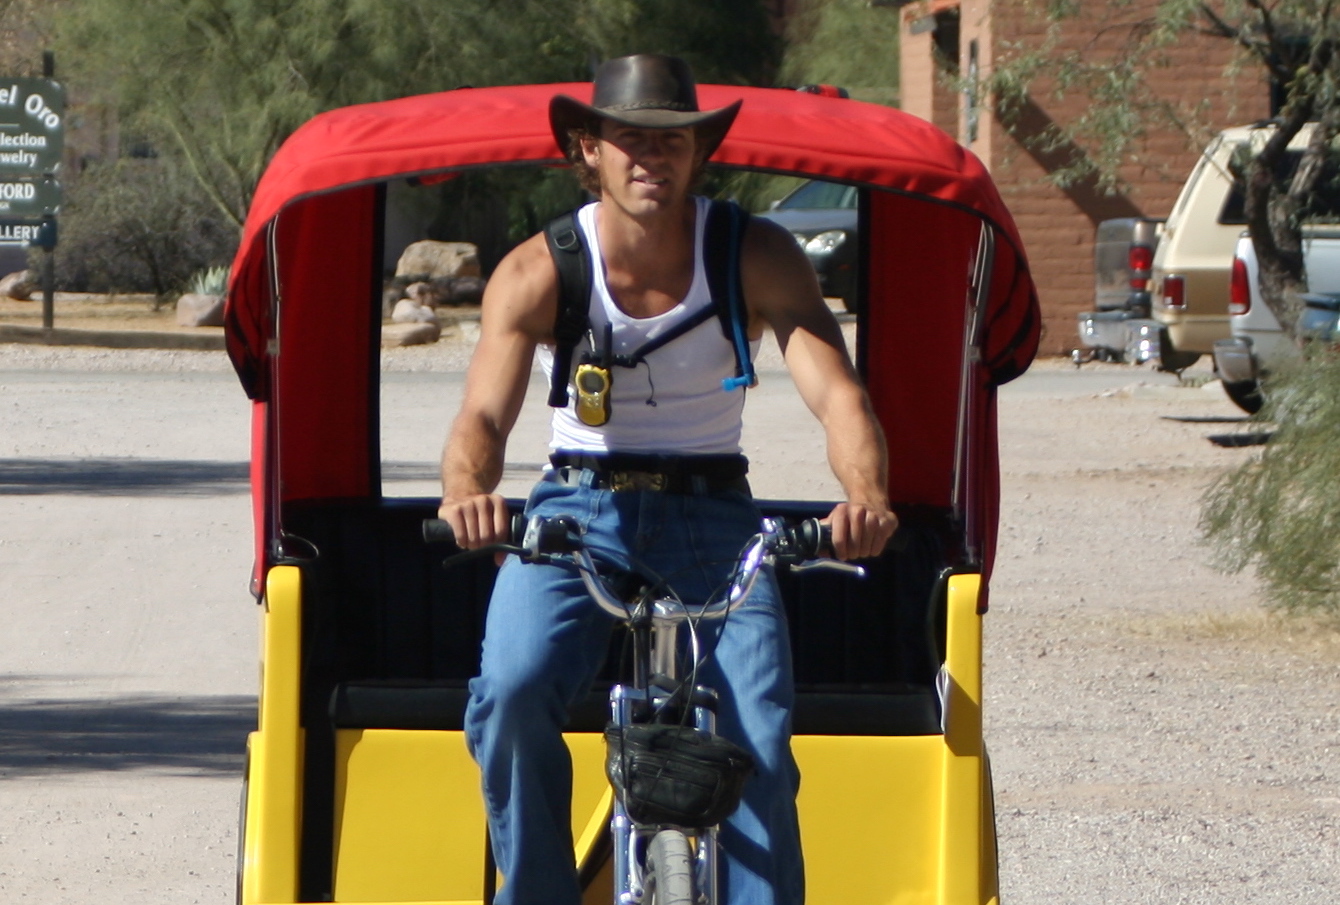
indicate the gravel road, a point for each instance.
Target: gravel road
{"x":1155,"y":736}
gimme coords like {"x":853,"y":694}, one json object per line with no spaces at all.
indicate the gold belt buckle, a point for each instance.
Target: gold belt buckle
{"x":636,"y":480}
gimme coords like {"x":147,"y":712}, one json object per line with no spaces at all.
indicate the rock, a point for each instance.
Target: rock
{"x":19,"y":286}
{"x":467,"y":290}
{"x":429,"y":260}
{"x":393,"y":293}
{"x":196,"y":310}
{"x":417,"y":334}
{"x":431,"y":293}
{"x":408,"y":311}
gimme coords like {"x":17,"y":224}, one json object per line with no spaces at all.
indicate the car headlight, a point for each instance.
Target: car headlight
{"x":825,"y":243}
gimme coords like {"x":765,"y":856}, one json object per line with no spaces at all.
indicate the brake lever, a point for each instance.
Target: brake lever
{"x":827,"y":564}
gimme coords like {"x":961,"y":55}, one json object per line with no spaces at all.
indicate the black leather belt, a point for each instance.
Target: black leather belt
{"x":666,"y":474}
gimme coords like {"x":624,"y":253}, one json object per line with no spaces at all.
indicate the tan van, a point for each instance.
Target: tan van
{"x":1190,"y":277}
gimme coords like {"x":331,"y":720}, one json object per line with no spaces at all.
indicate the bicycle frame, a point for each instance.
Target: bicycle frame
{"x":655,"y":625}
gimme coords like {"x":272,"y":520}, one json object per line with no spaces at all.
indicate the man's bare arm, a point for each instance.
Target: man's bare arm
{"x":517,"y":313}
{"x":782,"y":291}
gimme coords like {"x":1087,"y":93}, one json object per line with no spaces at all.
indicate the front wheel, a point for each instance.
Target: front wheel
{"x":669,"y":870}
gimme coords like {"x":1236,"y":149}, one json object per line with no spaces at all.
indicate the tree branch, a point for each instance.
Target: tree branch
{"x":1262,"y":50}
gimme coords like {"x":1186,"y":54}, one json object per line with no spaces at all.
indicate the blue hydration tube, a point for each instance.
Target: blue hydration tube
{"x":749,"y":378}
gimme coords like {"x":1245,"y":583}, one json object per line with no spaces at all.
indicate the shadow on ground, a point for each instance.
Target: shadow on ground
{"x":1246,"y":438}
{"x":122,"y":477}
{"x":176,"y":735}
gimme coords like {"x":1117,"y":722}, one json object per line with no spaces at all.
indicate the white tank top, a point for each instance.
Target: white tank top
{"x":673,"y":402}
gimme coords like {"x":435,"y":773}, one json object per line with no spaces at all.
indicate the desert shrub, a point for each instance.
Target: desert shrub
{"x":1280,"y":509}
{"x":138,"y":225}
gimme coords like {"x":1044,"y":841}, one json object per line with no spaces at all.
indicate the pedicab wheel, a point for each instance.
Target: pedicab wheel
{"x":669,"y":870}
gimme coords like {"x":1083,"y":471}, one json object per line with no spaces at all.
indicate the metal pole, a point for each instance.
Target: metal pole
{"x":48,"y":288}
{"x":49,"y":251}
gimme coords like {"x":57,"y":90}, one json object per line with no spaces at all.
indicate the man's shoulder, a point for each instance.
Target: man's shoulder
{"x":529,"y":260}
{"x":525,"y":284}
{"x":766,"y":238}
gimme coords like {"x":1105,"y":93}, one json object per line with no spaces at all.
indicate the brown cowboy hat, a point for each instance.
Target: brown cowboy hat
{"x":646,"y":90}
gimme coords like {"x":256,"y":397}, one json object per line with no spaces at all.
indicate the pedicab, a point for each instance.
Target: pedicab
{"x":358,"y":785}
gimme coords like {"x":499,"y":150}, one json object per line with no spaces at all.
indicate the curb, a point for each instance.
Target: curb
{"x":211,"y":341}
{"x":111,"y":339}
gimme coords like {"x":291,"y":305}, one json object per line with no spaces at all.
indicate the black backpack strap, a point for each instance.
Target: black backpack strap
{"x":573,"y":261}
{"x":723,"y":244}
{"x":702,"y":315}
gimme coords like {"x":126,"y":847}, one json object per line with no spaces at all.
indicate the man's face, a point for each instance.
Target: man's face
{"x":643,"y":170}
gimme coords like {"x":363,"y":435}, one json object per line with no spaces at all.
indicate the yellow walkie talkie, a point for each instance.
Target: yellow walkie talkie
{"x":593,"y":394}
{"x":594,"y":380}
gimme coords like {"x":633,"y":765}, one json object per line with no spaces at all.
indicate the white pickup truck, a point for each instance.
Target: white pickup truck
{"x":1258,"y":345}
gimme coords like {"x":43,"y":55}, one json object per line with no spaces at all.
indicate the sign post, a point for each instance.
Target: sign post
{"x":32,"y":141}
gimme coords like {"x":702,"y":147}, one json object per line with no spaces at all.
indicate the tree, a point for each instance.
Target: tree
{"x":221,"y":83}
{"x":22,"y":34}
{"x":1278,"y":510}
{"x":1293,"y":43}
{"x":849,"y":43}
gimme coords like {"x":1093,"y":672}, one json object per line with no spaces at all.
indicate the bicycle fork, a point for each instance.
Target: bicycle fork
{"x":629,"y":839}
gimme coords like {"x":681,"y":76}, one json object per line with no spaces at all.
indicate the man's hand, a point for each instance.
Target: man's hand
{"x":860,"y":531}
{"x":478,"y":520}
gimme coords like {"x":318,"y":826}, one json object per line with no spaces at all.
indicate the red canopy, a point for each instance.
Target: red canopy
{"x":304,"y":298}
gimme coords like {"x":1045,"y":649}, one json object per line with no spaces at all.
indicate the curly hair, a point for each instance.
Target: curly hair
{"x":587,"y":176}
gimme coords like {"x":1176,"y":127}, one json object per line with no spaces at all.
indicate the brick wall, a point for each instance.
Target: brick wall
{"x":1058,"y":224}
{"x":926,"y":89}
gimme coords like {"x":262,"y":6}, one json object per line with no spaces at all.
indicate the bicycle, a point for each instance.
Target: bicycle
{"x":675,"y":779}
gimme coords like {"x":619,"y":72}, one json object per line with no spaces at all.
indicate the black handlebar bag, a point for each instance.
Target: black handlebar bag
{"x":675,"y":775}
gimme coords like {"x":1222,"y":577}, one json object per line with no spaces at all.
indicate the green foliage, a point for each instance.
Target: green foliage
{"x":138,"y":226}
{"x":725,"y":41}
{"x":1280,"y":510}
{"x":213,"y":281}
{"x":221,"y":83}
{"x":844,"y":42}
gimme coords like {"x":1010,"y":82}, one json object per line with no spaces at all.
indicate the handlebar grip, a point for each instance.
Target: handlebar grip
{"x":438,"y":531}
{"x":812,"y":538}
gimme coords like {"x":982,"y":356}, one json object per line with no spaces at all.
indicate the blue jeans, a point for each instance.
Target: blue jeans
{"x":545,"y":640}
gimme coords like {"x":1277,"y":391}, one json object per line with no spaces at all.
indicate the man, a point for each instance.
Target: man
{"x":640,"y":146}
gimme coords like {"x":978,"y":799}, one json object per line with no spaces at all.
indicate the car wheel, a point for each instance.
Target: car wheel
{"x":1246,"y":395}
{"x":1171,"y":358}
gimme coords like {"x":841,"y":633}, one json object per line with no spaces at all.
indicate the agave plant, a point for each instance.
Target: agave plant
{"x":213,"y":281}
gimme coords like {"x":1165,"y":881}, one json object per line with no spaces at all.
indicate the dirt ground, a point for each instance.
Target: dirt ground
{"x":1156,"y":735}
{"x":86,"y":311}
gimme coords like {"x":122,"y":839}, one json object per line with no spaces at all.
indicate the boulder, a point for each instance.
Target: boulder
{"x":391,"y":293}
{"x":431,"y":293}
{"x":430,"y":260}
{"x":197,"y":310}
{"x":417,"y":334}
{"x":19,"y":286}
{"x":467,"y":290}
{"x":408,"y":311}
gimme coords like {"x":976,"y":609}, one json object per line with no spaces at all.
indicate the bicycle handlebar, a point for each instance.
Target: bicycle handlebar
{"x":438,"y":531}
{"x":799,"y":545}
